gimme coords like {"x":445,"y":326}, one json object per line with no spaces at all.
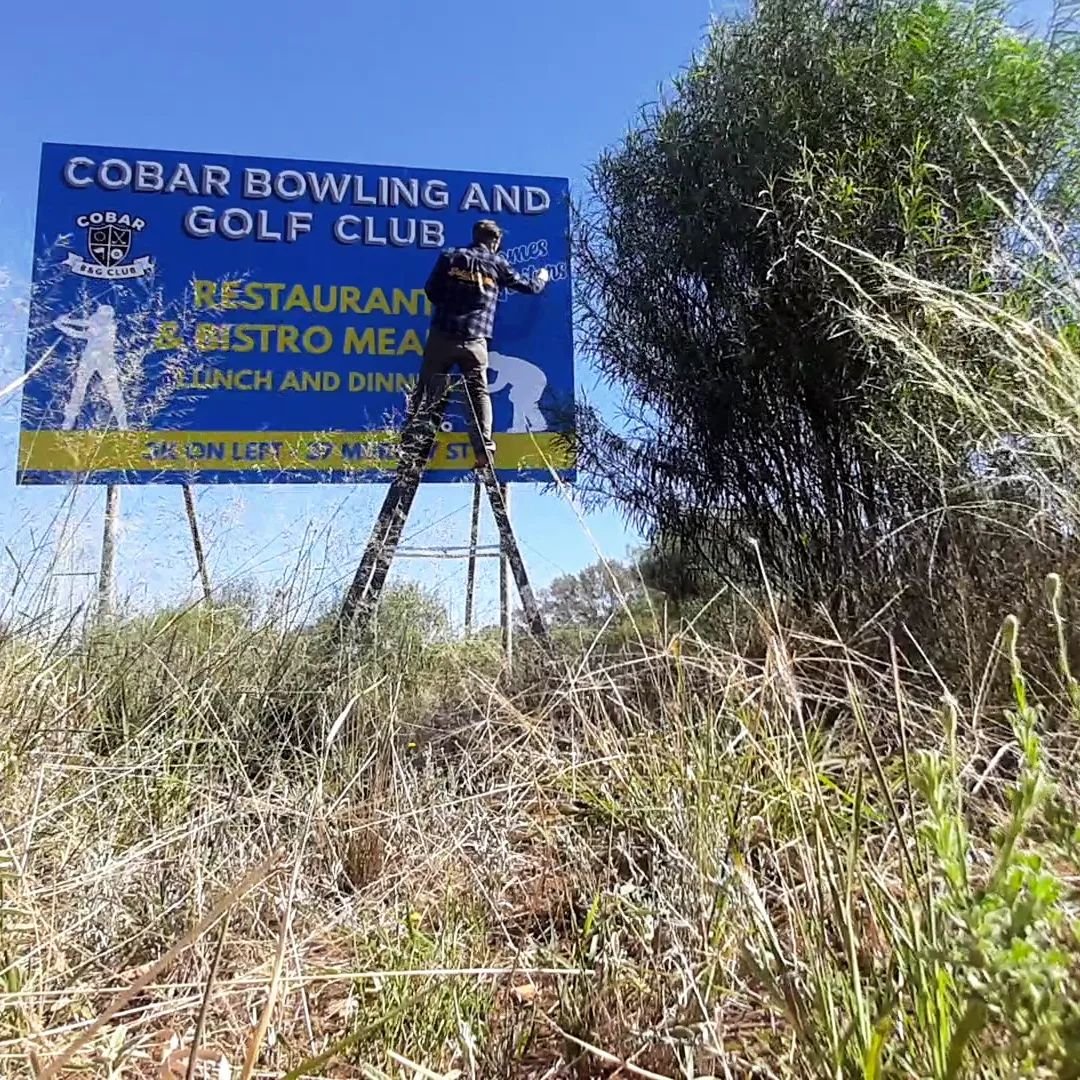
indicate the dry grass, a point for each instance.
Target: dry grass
{"x":668,"y":860}
{"x":226,"y":849}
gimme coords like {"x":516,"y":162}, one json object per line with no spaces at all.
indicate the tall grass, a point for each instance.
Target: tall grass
{"x":999,"y":362}
{"x":670,"y":859}
{"x":228,"y":848}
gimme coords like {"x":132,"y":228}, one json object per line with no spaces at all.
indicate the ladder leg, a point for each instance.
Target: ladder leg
{"x":509,"y":543}
{"x":513,"y":556}
{"x":385,"y":555}
{"x":363,"y":596}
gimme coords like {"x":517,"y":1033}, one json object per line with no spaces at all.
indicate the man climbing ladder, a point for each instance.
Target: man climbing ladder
{"x":464,"y":289}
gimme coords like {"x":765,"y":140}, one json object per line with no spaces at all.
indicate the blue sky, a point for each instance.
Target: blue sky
{"x":524,"y":88}
{"x":529,"y":88}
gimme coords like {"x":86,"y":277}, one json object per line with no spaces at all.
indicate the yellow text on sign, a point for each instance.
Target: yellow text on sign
{"x":80,"y":452}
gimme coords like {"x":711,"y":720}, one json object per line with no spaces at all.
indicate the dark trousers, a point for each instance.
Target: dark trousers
{"x":442,"y":353}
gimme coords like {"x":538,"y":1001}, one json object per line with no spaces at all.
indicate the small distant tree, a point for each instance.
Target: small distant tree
{"x":408,"y":619}
{"x":589,"y":598}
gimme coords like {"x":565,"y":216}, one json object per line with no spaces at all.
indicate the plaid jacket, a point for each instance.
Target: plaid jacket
{"x":464,"y":289}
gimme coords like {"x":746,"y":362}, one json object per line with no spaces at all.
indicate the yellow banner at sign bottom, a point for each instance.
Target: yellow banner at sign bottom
{"x":80,"y":452}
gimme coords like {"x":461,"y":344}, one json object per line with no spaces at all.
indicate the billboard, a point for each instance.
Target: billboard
{"x":206,"y":318}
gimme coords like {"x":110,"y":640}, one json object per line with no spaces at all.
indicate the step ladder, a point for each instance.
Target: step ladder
{"x":418,"y":443}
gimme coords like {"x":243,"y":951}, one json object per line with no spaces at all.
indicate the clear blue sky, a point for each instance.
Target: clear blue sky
{"x":529,"y":88}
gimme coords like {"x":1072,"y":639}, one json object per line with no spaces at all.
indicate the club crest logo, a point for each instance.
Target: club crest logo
{"x":109,"y":237}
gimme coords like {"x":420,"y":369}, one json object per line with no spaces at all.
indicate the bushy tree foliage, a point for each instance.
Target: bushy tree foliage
{"x":589,"y":598}
{"x":712,"y":259}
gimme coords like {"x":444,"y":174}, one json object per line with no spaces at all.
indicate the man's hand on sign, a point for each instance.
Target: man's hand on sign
{"x":542,"y":275}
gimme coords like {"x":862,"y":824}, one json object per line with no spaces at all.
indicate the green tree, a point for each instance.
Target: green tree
{"x":408,"y":619}
{"x":761,"y":430}
{"x":589,"y":598}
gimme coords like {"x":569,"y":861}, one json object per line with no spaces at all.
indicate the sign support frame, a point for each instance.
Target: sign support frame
{"x":505,"y":600}
{"x":196,"y":541}
{"x":470,"y":583}
{"x":107,"y":573}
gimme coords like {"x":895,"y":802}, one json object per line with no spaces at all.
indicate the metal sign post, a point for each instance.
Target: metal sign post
{"x":505,"y":601}
{"x":196,"y":541}
{"x":106,"y":575}
{"x":470,"y":584}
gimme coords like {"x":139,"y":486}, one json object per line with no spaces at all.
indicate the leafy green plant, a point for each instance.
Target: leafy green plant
{"x":800,"y":126}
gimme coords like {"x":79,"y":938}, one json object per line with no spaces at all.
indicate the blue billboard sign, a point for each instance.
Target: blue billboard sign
{"x":205,"y":318}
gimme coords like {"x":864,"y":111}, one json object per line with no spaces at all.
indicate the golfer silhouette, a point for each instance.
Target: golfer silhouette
{"x":527,"y":383}
{"x":98,"y":358}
